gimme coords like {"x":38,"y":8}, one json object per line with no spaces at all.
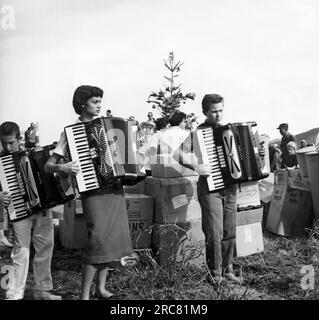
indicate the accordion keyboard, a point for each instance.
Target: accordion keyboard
{"x":211,"y":155}
{"x":79,"y":149}
{"x":12,"y":183}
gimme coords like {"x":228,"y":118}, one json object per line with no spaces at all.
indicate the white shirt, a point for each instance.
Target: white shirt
{"x":62,"y":146}
{"x":172,"y":138}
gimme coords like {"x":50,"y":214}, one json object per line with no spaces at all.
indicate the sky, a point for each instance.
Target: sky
{"x":261,"y":56}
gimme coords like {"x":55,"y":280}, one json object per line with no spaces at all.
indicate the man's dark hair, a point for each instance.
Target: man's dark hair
{"x":9,"y":128}
{"x":161,"y":123}
{"x":109,"y":111}
{"x":210,"y":99}
{"x":82,"y":94}
{"x":177,"y":118}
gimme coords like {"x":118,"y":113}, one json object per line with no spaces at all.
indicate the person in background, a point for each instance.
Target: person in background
{"x":150,"y":118}
{"x":146,"y":131}
{"x":292,"y":161}
{"x":303,"y":144}
{"x":150,"y":158}
{"x":31,"y":137}
{"x":175,"y":134}
{"x":286,"y":138}
{"x":191,"y":122}
{"x":109,"y":113}
{"x":274,"y":157}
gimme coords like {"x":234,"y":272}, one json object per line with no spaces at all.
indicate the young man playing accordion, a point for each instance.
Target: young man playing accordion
{"x":42,"y":236}
{"x":218,"y":207}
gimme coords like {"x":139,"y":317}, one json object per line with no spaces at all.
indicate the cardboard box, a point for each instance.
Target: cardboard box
{"x":167,"y":167}
{"x":248,"y":194}
{"x":249,"y":235}
{"x":140,"y":209}
{"x":175,"y":199}
{"x":292,"y":179}
{"x":249,"y":216}
{"x":266,"y":188}
{"x":282,"y":176}
{"x":57,"y":212}
{"x":166,"y":189}
{"x":249,"y":239}
{"x":187,"y":210}
{"x":138,"y":188}
{"x":73,"y":231}
{"x":289,"y":212}
{"x":179,"y":243}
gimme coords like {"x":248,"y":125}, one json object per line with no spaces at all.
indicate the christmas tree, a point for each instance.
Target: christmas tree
{"x":169,"y":100}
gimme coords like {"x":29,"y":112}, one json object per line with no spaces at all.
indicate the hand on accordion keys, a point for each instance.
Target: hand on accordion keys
{"x":203,"y":169}
{"x":5,"y":198}
{"x":71,"y":167}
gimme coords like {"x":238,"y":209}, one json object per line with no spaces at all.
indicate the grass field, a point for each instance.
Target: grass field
{"x":274,"y":274}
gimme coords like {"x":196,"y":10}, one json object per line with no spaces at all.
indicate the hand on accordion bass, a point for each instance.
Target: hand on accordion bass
{"x":5,"y":198}
{"x":71,"y":167}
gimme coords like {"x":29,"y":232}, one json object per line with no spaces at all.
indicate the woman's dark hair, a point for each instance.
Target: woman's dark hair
{"x":161,"y":123}
{"x":177,"y":118}
{"x":210,"y":99}
{"x":9,"y":128}
{"x":82,"y":94}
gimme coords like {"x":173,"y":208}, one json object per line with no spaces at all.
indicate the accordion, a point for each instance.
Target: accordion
{"x":31,"y":188}
{"x":232,"y":153}
{"x":106,"y":150}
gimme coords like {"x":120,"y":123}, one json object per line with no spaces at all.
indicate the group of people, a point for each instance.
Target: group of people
{"x":105,"y":210}
{"x":283,"y":156}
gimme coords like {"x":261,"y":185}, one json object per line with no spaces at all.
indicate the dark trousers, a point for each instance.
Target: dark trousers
{"x":219,"y":225}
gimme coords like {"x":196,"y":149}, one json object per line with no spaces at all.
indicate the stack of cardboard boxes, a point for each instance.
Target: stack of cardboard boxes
{"x":140,"y":209}
{"x":73,"y":231}
{"x":290,"y":211}
{"x":249,"y":236}
{"x":177,"y":235}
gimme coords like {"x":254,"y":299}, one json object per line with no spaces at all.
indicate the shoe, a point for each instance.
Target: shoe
{"x":213,"y":280}
{"x":14,"y":297}
{"x":230,"y":277}
{"x":45,"y":295}
{"x":96,"y":296}
{"x":110,"y":297}
{"x":6,"y":243}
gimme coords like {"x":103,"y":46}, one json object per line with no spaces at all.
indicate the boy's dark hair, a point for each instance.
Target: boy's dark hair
{"x":161,"y":123}
{"x":177,"y":118}
{"x":82,"y":94}
{"x":210,"y":99}
{"x":9,"y":128}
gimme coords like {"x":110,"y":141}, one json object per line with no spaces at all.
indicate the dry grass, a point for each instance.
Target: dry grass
{"x":273,"y":274}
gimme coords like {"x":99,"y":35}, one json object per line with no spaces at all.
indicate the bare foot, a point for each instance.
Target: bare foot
{"x":103,"y":294}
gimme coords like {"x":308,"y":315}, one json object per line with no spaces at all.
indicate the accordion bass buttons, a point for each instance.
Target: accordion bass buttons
{"x":93,"y":153}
